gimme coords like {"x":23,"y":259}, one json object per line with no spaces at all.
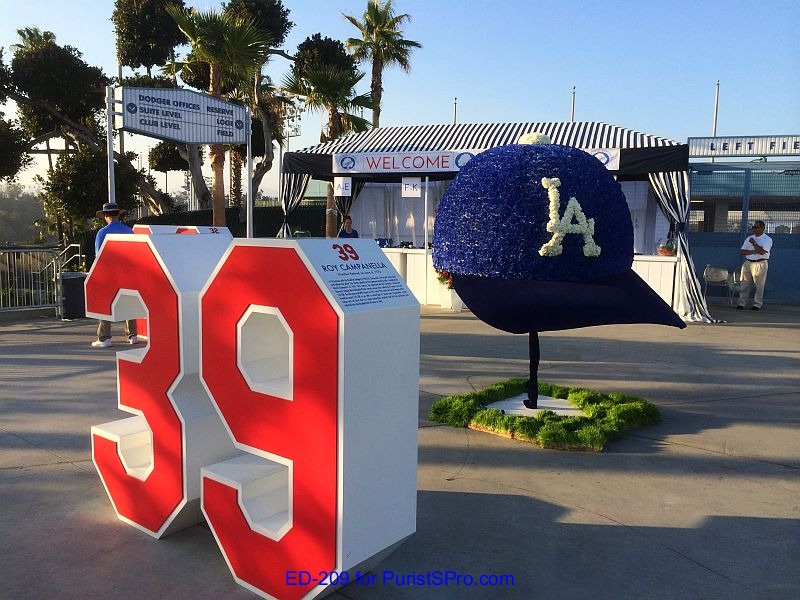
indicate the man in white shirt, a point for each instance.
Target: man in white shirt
{"x":756,"y":251}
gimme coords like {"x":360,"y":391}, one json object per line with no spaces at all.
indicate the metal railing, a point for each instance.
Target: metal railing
{"x":30,"y":278}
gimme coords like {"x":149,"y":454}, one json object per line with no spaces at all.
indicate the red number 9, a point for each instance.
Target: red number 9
{"x":351,"y":252}
{"x":269,"y":361}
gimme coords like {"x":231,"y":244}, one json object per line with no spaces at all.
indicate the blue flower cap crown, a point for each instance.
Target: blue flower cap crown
{"x":498,"y":217}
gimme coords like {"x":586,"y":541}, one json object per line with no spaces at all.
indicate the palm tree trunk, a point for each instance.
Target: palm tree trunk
{"x":218,"y":184}
{"x":265,"y":164}
{"x":331,"y":220}
{"x":217,"y":152}
{"x":236,"y":179}
{"x":191,"y":154}
{"x":377,"y":91}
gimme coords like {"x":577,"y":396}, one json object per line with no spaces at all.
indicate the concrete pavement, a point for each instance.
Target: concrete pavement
{"x":704,"y":505}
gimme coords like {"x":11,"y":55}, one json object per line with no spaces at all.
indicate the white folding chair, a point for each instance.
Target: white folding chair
{"x":734,"y":285}
{"x":715,"y":276}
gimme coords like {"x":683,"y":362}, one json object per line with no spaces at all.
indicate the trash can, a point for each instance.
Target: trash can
{"x":73,"y":302}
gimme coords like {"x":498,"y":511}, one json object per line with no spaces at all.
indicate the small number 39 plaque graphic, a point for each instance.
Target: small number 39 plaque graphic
{"x":346,"y":251}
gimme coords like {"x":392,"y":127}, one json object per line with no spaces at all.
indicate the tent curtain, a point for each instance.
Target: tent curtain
{"x":293,"y":187}
{"x":345,"y":203}
{"x":672,"y":193}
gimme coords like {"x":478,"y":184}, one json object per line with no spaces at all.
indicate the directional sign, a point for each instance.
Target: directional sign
{"x":412,"y":187}
{"x":343,"y":186}
{"x":180,"y":115}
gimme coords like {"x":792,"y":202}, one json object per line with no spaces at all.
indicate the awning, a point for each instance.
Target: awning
{"x":639,"y":153}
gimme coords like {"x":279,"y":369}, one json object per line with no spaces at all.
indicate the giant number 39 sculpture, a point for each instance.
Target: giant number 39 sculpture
{"x":256,"y":398}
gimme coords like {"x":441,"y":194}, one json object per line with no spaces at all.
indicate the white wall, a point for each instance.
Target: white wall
{"x":649,"y":223}
{"x":381,"y":212}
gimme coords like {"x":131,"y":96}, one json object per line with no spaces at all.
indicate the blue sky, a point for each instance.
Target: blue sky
{"x":645,"y":65}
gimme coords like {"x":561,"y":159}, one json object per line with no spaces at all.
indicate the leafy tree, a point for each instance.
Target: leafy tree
{"x":57,"y":93}
{"x":268,"y":15}
{"x":316,"y":51}
{"x":76,"y":187}
{"x":58,"y":77}
{"x":13,"y":147}
{"x":197,"y":74}
{"x":165,"y":157}
{"x":381,"y":42}
{"x":235,"y":50}
{"x":265,"y":101}
{"x":329,"y":88}
{"x":149,"y":81}
{"x":19,"y":212}
{"x":6,"y":80}
{"x":146,"y":34}
{"x":332,"y":90}
{"x":32,"y":38}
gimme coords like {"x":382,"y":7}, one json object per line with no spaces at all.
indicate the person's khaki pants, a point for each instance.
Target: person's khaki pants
{"x":754,"y":274}
{"x":104,"y":329}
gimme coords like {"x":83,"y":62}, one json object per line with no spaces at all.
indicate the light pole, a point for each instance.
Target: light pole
{"x":716,"y":109}
{"x":572,"y":112}
{"x":292,"y":111}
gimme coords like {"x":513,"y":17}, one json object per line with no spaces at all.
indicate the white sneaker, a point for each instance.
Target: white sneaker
{"x":101,"y":344}
{"x":133,"y":339}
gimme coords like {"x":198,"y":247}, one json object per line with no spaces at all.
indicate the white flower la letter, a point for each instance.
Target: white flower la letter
{"x":559,"y":227}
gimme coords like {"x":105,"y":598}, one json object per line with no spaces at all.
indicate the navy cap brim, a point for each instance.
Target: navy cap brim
{"x":523,"y":306}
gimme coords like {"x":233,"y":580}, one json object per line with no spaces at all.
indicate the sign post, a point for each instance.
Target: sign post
{"x":112,"y":190}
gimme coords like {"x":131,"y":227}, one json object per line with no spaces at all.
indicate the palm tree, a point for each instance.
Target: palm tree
{"x":333,"y":90}
{"x":381,"y":41}
{"x":33,"y":39}
{"x":235,"y":49}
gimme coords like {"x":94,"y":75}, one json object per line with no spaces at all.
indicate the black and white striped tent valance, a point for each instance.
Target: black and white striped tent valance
{"x":640,"y":153}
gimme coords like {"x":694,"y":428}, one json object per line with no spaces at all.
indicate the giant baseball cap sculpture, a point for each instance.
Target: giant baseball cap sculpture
{"x":538,"y":237}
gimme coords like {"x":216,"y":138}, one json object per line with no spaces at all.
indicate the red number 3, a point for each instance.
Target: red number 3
{"x":149,"y":463}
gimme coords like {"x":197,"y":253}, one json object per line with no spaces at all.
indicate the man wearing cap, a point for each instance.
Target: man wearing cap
{"x":756,"y":251}
{"x":111,"y":213}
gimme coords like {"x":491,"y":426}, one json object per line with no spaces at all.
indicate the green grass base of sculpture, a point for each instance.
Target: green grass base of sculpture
{"x":605,"y":416}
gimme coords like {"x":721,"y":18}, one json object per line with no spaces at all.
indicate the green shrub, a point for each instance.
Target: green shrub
{"x":456,"y":411}
{"x":605,"y":416}
{"x":553,"y":434}
{"x":554,"y":391}
{"x":494,"y":420}
{"x":592,"y":437}
{"x":527,"y":428}
{"x":582,"y":398}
